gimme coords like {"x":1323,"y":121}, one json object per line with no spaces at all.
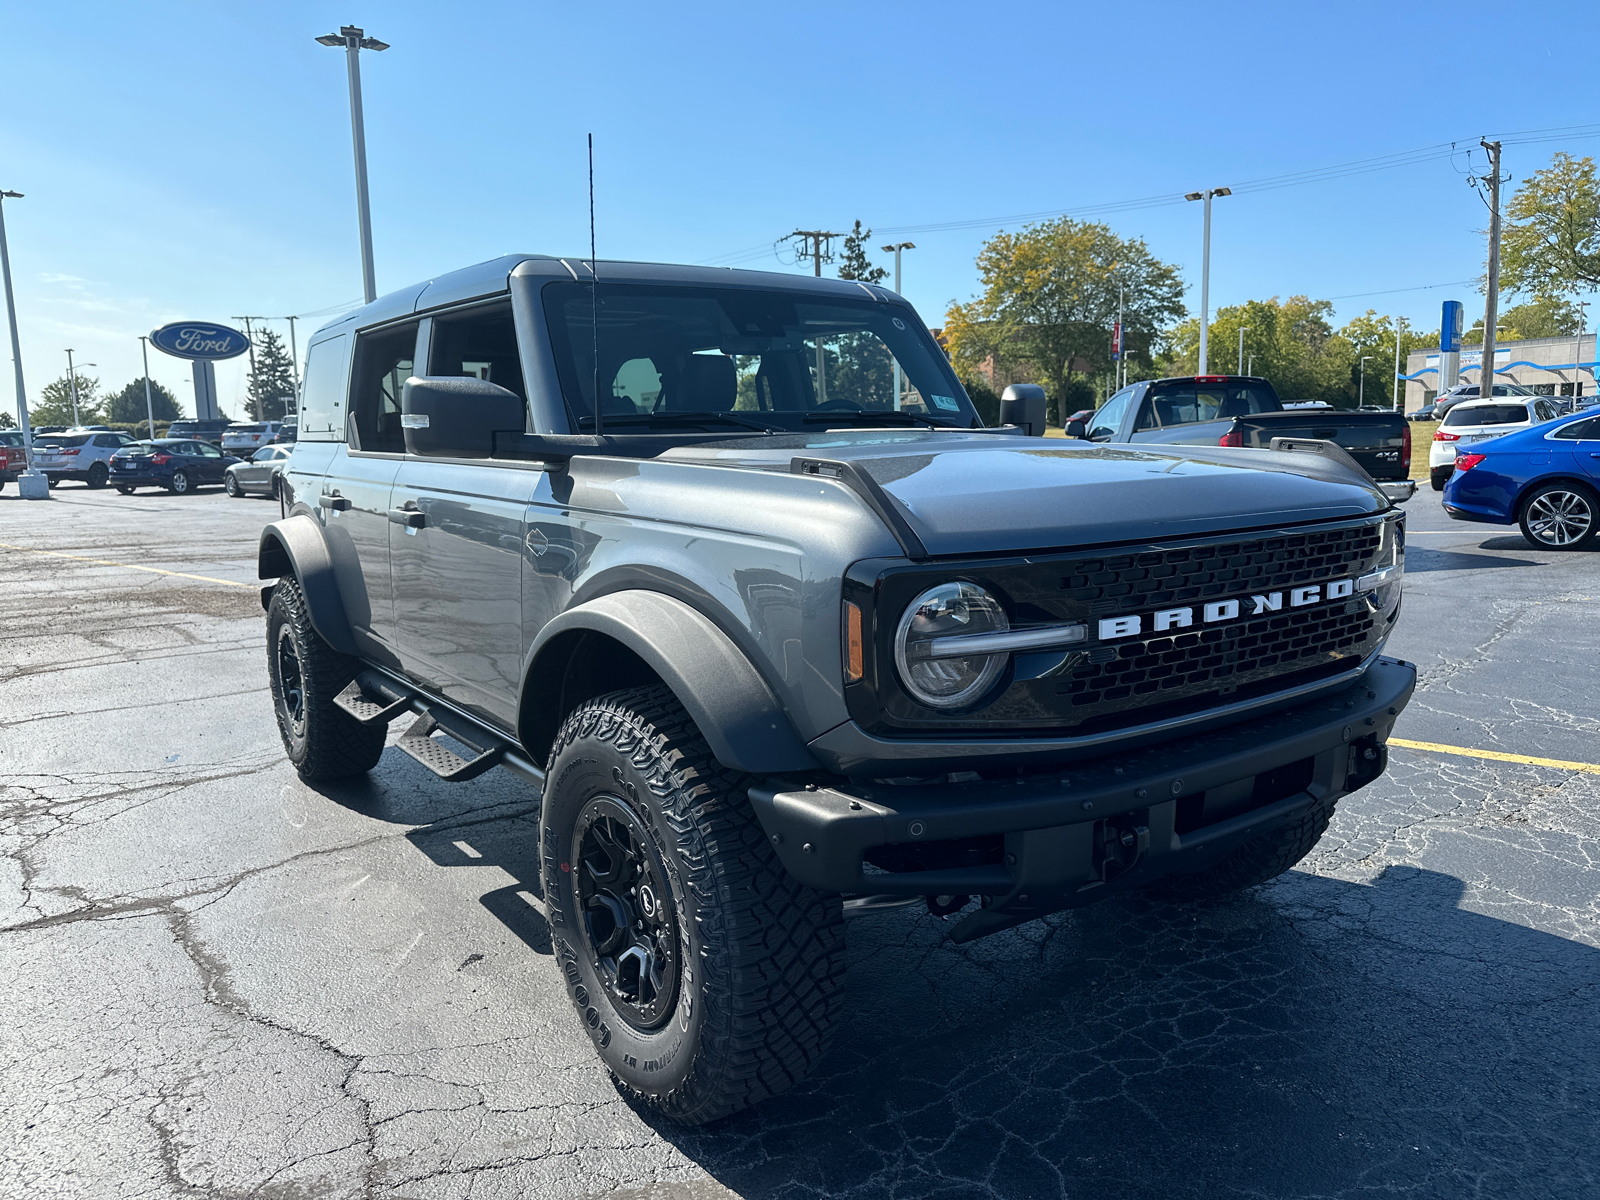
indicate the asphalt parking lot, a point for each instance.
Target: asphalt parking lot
{"x":222,"y":982}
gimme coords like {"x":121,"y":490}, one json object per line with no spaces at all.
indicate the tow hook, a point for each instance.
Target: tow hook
{"x":1120,"y":843}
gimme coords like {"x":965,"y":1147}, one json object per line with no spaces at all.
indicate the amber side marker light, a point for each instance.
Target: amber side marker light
{"x":853,"y":653}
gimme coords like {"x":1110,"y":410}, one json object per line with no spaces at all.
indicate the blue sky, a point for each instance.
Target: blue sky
{"x":193,"y":161}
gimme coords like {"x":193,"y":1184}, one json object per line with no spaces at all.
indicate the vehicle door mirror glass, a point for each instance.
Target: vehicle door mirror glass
{"x":458,"y":416}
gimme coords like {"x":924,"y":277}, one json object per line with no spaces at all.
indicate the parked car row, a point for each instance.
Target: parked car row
{"x":1469,"y":422}
{"x":1545,"y":478}
{"x":180,"y":464}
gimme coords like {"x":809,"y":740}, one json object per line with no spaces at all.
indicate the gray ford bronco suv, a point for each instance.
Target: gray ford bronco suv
{"x":727,"y":566}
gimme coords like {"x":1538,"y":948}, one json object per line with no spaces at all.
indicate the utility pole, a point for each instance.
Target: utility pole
{"x":294,"y":363}
{"x":149,"y":406}
{"x":250,"y":337}
{"x":1492,"y":298}
{"x":1205,"y":268}
{"x":1399,"y":336}
{"x":897,"y":247}
{"x":1121,"y":376}
{"x":1243,"y":329}
{"x":818,"y":251}
{"x":72,"y":387}
{"x":30,"y":484}
{"x":354,"y":41}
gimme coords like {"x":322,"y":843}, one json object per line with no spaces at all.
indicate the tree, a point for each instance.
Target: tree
{"x":1550,"y":245}
{"x":271,"y":378}
{"x":127,"y":406}
{"x":7,"y":421}
{"x":54,"y":404}
{"x":1050,"y":297}
{"x":1543,"y":317}
{"x":856,"y":264}
{"x":1373,"y":335}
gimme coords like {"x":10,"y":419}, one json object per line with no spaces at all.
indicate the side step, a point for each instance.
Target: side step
{"x":372,"y":700}
{"x":418,"y":741}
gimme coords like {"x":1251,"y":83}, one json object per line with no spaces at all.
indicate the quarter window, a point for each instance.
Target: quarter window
{"x":1584,"y":431}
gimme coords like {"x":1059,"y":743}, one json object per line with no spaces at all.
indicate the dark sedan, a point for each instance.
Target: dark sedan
{"x":1546,"y":479}
{"x":178,"y":464}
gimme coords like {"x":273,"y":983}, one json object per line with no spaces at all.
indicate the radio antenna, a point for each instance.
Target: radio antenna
{"x":594,"y":299}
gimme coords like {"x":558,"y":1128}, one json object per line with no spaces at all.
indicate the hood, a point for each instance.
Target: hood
{"x":988,"y":493}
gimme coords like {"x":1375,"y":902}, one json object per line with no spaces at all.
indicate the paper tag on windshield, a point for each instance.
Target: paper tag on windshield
{"x":948,"y":403}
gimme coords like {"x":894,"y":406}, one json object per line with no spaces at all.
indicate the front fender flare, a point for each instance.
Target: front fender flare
{"x":726,"y":696}
{"x":295,"y":547}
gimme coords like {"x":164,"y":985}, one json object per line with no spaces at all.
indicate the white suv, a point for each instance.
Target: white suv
{"x":1472,"y":421}
{"x":249,"y":437}
{"x":78,"y":454}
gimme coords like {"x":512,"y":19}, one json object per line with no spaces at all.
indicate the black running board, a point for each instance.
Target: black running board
{"x":418,"y":741}
{"x":372,"y":700}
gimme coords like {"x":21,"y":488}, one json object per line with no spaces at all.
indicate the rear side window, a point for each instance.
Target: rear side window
{"x":1583,"y":431}
{"x":1184,"y":403}
{"x":1486,"y":414}
{"x":322,"y":407}
{"x":482,"y":343}
{"x":383,"y":364}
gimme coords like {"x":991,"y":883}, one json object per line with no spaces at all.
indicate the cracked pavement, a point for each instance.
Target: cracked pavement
{"x":221,"y":982}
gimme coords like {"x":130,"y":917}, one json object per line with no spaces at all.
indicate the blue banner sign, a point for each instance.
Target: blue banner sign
{"x":199,"y":340}
{"x":1450,"y":323}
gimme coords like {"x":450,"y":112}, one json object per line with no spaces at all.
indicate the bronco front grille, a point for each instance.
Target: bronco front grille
{"x":1112,"y":681}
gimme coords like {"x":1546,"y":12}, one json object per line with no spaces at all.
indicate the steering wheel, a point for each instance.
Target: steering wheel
{"x":838,"y":406}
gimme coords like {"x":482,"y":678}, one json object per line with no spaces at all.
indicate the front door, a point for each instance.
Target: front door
{"x":457,"y":540}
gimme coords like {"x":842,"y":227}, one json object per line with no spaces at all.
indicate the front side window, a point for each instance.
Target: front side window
{"x":1104,"y":424}
{"x":482,"y":343}
{"x":383,"y":364}
{"x":207,"y":450}
{"x":266,"y":454}
{"x":773,"y":359}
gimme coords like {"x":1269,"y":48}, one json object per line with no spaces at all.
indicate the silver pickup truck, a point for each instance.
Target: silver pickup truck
{"x":725,"y":565}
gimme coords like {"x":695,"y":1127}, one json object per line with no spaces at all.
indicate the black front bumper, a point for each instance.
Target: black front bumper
{"x":1074,"y":835}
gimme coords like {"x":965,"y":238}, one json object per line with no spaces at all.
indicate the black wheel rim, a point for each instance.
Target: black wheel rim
{"x":1560,"y":518}
{"x":291,"y":683}
{"x":626,"y":916}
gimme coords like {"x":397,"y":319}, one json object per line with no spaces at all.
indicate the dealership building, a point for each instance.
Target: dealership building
{"x":1558,"y":366}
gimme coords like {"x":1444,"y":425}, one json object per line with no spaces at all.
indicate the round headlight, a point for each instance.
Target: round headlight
{"x":951,"y":610}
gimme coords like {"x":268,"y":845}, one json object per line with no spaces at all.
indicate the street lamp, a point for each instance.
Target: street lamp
{"x":149,"y":405}
{"x":895,"y":249}
{"x":1577,"y":351}
{"x":1205,"y":267}
{"x":1399,"y":337}
{"x":30,"y":484}
{"x":72,"y":385}
{"x":354,"y":41}
{"x":1361,"y":392}
{"x":1243,"y":329}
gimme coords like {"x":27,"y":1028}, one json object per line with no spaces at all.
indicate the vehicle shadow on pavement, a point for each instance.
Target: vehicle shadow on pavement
{"x":1514,"y":541}
{"x":1317,"y":1037}
{"x":1421,"y":558}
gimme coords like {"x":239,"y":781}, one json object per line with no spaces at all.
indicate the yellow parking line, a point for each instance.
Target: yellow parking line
{"x":1467,"y":752}
{"x":106,"y":562}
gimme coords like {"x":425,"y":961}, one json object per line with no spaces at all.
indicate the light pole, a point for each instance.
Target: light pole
{"x":1205,"y":267}
{"x":1361,"y":391}
{"x":354,"y":41}
{"x":149,"y":406}
{"x":30,"y":484}
{"x":1399,"y":336}
{"x":896,"y":248}
{"x":1577,"y":352}
{"x":294,"y":363}
{"x":1243,"y":329}
{"x":72,"y":385}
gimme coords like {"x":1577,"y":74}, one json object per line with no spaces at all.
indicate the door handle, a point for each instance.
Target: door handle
{"x":334,"y":501}
{"x":1594,"y":456}
{"x":408,"y":517}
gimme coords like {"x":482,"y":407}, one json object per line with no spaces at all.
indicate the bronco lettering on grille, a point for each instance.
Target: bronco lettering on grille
{"x":1112,"y":628}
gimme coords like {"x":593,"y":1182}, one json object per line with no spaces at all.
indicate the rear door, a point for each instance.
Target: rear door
{"x":457,"y":540}
{"x":1580,"y":440}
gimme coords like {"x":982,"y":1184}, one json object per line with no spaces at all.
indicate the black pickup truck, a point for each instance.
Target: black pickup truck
{"x":1241,"y":410}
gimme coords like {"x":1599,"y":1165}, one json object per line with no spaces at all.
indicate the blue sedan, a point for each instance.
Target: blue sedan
{"x":1546,"y":479}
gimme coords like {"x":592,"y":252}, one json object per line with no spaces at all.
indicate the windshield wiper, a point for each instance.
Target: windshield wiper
{"x":889,"y":416}
{"x":685,"y":418}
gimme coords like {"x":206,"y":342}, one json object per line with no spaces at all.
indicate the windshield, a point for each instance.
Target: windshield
{"x":1485,"y":414}
{"x":670,"y":356}
{"x":1184,"y":402}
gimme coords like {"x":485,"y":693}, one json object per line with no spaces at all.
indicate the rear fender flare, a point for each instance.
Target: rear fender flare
{"x":295,"y":548}
{"x":726,"y":696}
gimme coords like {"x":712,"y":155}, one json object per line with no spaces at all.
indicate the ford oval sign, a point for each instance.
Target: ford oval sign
{"x":199,"y":340}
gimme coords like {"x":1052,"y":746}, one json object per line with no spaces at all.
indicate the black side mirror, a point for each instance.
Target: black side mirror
{"x":1077,"y":429}
{"x":1023,"y":404}
{"x":458,"y":416}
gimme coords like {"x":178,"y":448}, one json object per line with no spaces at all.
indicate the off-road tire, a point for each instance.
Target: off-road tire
{"x":326,"y":743}
{"x":1261,"y":858}
{"x":180,"y":483}
{"x":231,"y":486}
{"x":761,"y":958}
{"x":99,"y":473}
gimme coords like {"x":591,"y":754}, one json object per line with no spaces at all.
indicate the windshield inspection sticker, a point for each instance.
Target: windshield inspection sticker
{"x":948,"y":403}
